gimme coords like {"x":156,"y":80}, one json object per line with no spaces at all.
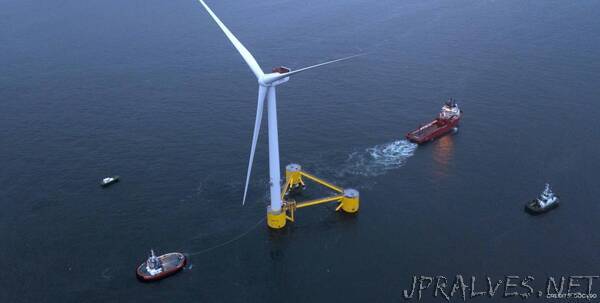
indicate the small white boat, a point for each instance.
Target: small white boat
{"x":109,"y":180}
{"x":545,"y":202}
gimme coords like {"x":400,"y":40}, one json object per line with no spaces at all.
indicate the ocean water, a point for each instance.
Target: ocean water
{"x":152,"y":91}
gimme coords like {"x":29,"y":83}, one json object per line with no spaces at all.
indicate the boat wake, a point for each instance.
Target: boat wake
{"x":106,"y":273}
{"x":376,"y":160}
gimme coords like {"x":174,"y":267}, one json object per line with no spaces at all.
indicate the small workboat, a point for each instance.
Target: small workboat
{"x":545,"y":202}
{"x":157,"y":268}
{"x":109,"y":180}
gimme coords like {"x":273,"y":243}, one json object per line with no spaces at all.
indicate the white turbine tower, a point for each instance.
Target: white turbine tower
{"x":267,"y":84}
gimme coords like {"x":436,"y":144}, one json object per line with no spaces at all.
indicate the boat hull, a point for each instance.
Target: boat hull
{"x":432,"y":130}
{"x":172,"y":263}
{"x":532,"y":208}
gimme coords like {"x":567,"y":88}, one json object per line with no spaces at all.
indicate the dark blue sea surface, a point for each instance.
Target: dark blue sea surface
{"x":153,"y":91}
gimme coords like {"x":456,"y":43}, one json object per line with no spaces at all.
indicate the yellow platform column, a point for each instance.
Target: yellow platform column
{"x":293,"y":177}
{"x":350,"y":201}
{"x":275,"y":219}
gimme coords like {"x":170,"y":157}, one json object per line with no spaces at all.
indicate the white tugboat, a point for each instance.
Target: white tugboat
{"x":545,"y":202}
{"x":156,"y":268}
{"x":109,"y":180}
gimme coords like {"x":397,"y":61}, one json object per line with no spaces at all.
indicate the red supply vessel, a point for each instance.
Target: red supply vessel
{"x":446,"y":121}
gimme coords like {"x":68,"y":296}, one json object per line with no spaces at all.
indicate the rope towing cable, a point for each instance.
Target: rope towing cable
{"x":228,"y":241}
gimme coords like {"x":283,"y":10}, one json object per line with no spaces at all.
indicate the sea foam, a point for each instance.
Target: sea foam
{"x":378,"y":159}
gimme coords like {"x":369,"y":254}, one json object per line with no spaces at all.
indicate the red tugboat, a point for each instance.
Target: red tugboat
{"x":446,"y":121}
{"x":157,"y":268}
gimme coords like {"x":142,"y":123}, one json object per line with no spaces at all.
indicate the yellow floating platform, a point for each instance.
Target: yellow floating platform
{"x":348,"y":199}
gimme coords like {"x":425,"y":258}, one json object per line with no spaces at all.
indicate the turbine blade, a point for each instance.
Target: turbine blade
{"x":278,"y":77}
{"x":262,"y":91}
{"x":236,"y":43}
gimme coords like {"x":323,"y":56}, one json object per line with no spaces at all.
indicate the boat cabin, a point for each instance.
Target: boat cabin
{"x":449,"y":110}
{"x":546,"y":197}
{"x":153,"y":265}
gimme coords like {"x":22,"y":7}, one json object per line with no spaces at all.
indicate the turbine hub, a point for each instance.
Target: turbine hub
{"x":274,"y":78}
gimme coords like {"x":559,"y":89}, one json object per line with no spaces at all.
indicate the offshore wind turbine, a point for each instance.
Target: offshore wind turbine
{"x":267,"y":83}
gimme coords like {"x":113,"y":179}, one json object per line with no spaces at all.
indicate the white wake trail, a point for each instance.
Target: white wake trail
{"x":376,"y":160}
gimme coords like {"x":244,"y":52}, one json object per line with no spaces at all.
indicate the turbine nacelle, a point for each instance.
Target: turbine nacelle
{"x":276,"y":77}
{"x":281,"y":70}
